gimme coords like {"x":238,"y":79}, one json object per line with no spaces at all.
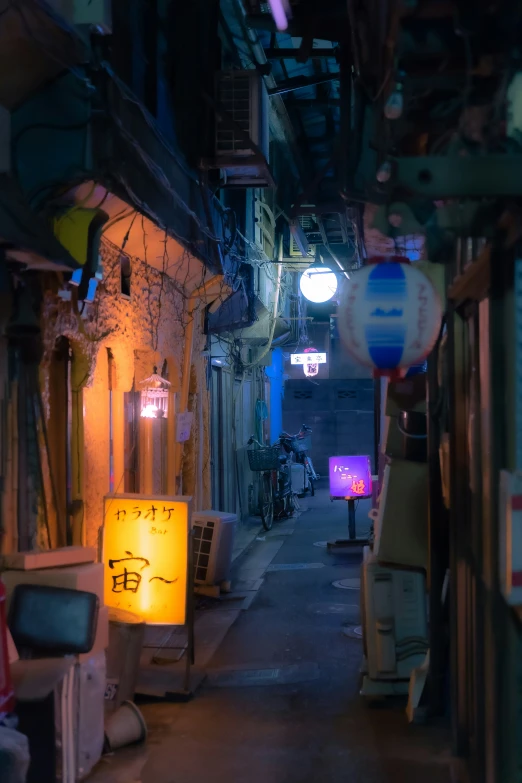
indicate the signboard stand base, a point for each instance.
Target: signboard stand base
{"x":186,"y":694}
{"x":352,"y":540}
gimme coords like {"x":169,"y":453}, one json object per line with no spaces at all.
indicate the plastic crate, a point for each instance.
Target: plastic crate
{"x":264,"y":459}
{"x":303,"y":444}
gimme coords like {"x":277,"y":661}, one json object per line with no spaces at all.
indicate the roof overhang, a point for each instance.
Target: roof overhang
{"x":25,"y":237}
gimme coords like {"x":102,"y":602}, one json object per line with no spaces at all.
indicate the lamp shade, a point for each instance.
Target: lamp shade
{"x":318,"y":284}
{"x":389,"y":316}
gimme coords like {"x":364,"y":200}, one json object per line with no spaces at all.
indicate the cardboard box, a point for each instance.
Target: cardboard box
{"x":88,"y":577}
{"x":406,"y":394}
{"x":54,"y":558}
{"x":401,"y":525}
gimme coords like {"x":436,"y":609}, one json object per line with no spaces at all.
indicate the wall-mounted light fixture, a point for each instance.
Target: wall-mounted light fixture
{"x":155,"y":397}
{"x":318,"y":284}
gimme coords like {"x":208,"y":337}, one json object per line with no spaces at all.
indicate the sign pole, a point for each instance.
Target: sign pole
{"x":190,"y":654}
{"x":186,"y":694}
{"x":351,"y":519}
{"x":352,"y":540}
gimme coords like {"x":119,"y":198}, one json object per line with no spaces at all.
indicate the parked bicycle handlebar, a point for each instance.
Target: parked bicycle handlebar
{"x":305,"y":430}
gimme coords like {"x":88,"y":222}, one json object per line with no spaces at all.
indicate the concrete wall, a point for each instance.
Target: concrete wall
{"x":340,"y":413}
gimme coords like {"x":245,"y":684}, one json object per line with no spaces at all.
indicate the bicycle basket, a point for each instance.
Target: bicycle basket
{"x":264,"y":459}
{"x":303,"y":444}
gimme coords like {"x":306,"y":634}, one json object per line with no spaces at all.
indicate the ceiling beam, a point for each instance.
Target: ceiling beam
{"x":325,"y":208}
{"x":295,"y":54}
{"x":300,"y":82}
{"x":314,"y":103}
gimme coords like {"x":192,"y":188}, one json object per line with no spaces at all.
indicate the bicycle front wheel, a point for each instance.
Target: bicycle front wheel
{"x":266,"y":501}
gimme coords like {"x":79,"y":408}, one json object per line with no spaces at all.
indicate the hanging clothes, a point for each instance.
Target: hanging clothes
{"x":261,"y":417}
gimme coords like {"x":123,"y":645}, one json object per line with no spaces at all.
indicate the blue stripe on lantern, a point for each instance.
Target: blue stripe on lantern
{"x":386,"y":281}
{"x":385,"y":357}
{"x":385,"y":344}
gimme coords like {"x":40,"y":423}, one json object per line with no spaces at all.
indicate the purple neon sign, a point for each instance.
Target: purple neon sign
{"x":350,"y":477}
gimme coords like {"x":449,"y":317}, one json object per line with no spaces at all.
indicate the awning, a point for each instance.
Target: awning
{"x":25,"y":237}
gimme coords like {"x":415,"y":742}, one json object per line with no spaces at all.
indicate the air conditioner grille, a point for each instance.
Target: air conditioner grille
{"x":307,"y":223}
{"x":234,"y":97}
{"x":203,"y":535}
{"x":302,"y":395}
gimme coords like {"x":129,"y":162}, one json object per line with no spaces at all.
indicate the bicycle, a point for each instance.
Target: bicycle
{"x":276,"y":498}
{"x":301,"y":444}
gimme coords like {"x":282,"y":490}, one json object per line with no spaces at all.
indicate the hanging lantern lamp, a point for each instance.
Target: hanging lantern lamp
{"x":155,"y":397}
{"x":389,"y":316}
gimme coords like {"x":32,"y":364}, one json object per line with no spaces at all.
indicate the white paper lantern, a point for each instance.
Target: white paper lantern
{"x":389,"y":316}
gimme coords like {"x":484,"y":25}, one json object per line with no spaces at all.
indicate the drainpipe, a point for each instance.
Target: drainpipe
{"x":146,"y":456}
{"x":212,"y":287}
{"x":68,"y":445}
{"x":201,"y":446}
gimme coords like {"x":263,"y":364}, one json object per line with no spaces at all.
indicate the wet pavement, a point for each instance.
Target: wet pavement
{"x":281,"y":700}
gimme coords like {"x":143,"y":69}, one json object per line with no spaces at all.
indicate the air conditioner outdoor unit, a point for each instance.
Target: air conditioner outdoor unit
{"x":299,"y":245}
{"x":395,"y":629}
{"x":213,"y":541}
{"x":242,"y":116}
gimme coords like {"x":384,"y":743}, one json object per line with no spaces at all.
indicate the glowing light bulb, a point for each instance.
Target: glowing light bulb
{"x":318,"y":284}
{"x":395,"y":104}
{"x":384,"y":172}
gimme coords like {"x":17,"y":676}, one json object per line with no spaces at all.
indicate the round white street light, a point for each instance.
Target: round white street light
{"x":318,"y":284}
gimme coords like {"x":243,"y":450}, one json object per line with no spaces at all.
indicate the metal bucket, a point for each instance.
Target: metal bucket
{"x":413,"y":428}
{"x":126,"y":635}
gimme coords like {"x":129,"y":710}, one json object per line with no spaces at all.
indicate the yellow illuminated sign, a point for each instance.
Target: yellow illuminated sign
{"x":145,"y":553}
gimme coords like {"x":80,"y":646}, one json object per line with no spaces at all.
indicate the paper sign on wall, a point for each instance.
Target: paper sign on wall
{"x":145,"y":553}
{"x":183,"y":426}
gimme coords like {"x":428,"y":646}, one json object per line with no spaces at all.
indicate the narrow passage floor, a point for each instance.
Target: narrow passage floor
{"x":281,"y":700}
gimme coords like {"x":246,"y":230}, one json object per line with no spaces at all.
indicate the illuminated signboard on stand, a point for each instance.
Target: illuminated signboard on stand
{"x":146,"y":555}
{"x":350,"y":477}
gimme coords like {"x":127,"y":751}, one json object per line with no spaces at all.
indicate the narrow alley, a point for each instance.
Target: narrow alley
{"x":260,"y":391}
{"x":281,"y":700}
